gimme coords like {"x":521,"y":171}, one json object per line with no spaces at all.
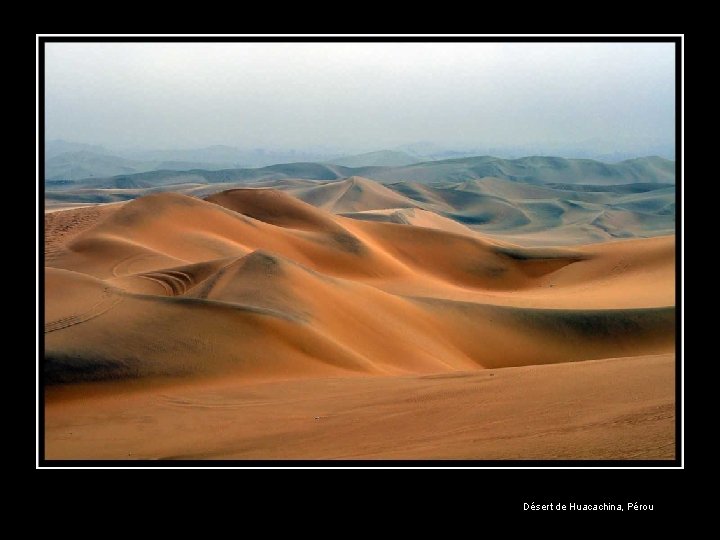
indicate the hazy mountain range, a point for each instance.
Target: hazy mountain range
{"x":529,"y":170}
{"x":382,"y":158}
{"x":73,"y":161}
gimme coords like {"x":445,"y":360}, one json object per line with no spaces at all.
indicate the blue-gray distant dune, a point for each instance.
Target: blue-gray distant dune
{"x":72,"y":161}
{"x":534,"y":170}
{"x":77,"y":165}
{"x":527,"y":170}
{"x":151,"y":179}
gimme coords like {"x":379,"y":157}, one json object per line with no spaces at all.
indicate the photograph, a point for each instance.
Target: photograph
{"x":359,"y":251}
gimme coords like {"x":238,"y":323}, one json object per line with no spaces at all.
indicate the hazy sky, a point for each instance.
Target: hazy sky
{"x":360,"y":96}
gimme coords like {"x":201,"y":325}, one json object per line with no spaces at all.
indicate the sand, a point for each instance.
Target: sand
{"x":606,"y":409}
{"x":182,"y":327}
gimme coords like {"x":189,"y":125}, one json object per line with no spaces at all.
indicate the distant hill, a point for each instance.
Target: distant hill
{"x":85,"y":164}
{"x":158,"y":178}
{"x":228,"y":156}
{"x":73,"y":161}
{"x":532,"y":170}
{"x":536,"y":169}
{"x":58,"y":146}
{"x":382,"y":158}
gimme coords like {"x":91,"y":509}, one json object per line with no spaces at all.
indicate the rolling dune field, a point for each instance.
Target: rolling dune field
{"x":354,"y":320}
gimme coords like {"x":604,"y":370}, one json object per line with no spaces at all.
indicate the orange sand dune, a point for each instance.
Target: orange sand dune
{"x":256,"y":285}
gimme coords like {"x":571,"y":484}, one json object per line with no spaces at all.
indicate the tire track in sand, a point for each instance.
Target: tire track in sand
{"x":106,"y":302}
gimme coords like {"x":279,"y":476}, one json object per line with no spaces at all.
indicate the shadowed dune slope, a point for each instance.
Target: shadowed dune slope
{"x":274,"y":207}
{"x":257,"y":283}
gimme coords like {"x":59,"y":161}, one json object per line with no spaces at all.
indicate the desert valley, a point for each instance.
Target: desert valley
{"x":472,"y":308}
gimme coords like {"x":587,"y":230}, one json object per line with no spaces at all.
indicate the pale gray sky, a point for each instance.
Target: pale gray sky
{"x":360,"y":96}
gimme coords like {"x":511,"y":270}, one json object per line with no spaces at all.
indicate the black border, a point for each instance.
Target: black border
{"x":510,"y":464}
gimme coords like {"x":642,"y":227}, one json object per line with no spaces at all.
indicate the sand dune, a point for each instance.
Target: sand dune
{"x":274,"y":207}
{"x":255,"y":285}
{"x":366,"y":296}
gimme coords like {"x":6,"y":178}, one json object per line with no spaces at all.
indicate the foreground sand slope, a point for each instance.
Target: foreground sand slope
{"x":258,"y":283}
{"x":607,"y":409}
